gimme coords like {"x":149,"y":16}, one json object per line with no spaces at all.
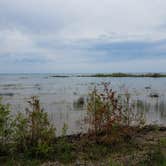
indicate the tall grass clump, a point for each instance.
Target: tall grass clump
{"x":131,"y":115}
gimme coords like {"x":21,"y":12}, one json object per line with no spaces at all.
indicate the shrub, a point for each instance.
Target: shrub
{"x":111,"y":115}
{"x":21,"y":132}
{"x":104,"y":110}
{"x":41,"y":131}
{"x":6,"y":128}
{"x":33,"y":132}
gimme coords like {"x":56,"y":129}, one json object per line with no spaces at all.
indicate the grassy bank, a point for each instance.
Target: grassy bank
{"x":145,"y":147}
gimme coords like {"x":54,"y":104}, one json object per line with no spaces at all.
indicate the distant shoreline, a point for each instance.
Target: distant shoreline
{"x":117,"y":74}
{"x":152,"y":75}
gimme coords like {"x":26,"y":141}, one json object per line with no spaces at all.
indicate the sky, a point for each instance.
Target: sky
{"x":82,"y":36}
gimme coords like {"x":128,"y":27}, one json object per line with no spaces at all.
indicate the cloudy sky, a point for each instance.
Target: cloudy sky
{"x":82,"y":36}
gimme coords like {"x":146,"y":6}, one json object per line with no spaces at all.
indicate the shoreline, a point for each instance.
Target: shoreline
{"x":151,"y":75}
{"x":144,"y":146}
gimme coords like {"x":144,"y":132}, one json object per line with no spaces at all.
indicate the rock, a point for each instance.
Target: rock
{"x":74,"y":93}
{"x":147,"y":87}
{"x":7,"y":94}
{"x":79,"y":103}
{"x":154,"y":95}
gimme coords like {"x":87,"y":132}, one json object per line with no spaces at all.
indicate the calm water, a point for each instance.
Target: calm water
{"x":59,"y":95}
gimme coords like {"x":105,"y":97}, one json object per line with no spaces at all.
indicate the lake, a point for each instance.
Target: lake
{"x":59,"y":96}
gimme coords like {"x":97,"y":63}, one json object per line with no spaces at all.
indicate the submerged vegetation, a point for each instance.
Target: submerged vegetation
{"x":117,"y":135}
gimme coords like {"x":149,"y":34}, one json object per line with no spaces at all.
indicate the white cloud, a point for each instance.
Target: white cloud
{"x":85,"y":18}
{"x":68,"y":33}
{"x":14,"y":41}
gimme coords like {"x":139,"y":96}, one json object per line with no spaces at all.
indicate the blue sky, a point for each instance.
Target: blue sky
{"x":63,"y":36}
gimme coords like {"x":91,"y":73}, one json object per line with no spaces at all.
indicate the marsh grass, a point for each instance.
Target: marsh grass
{"x":131,"y":112}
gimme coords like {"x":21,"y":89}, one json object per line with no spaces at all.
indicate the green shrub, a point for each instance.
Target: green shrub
{"x":21,"y":132}
{"x":104,"y":110}
{"x":34,"y":134}
{"x":111,"y":116}
{"x":39,"y":127}
{"x":6,"y":128}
